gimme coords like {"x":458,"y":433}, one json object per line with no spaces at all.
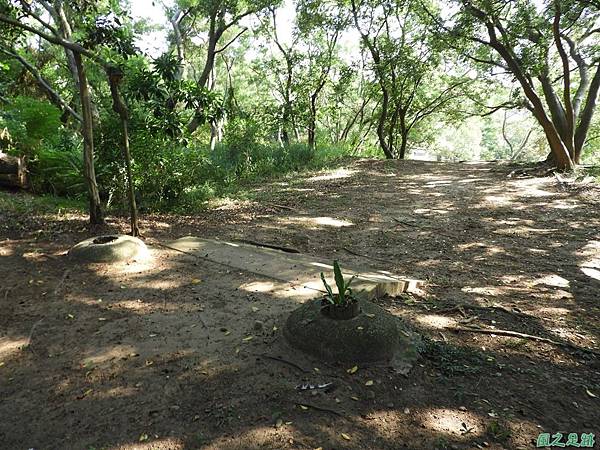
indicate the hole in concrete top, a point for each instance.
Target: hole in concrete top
{"x":105,"y":239}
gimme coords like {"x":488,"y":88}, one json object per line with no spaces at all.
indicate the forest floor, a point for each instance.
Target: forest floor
{"x":169,"y":354}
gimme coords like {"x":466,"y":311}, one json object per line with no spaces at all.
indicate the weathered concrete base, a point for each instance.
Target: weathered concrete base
{"x":374,"y":336}
{"x":109,"y":249}
{"x":301,"y":272}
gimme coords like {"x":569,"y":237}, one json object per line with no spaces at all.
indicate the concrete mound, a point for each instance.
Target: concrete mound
{"x":374,"y":336}
{"x":109,"y":249}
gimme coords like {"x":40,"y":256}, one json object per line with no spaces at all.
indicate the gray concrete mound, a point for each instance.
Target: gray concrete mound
{"x":374,"y":336}
{"x":109,"y":249}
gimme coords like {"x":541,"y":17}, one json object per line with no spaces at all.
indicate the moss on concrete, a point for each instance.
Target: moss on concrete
{"x":373,"y":336}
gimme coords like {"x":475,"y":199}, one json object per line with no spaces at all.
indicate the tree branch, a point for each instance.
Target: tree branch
{"x":231,"y":41}
{"x":52,"y":94}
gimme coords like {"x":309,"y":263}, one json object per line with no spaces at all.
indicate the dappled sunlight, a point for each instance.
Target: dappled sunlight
{"x":428,"y":211}
{"x":497,"y":201}
{"x":333,"y":175}
{"x":530,"y":187}
{"x":112,"y":393}
{"x":152,"y":443}
{"x":258,"y":286}
{"x":9,"y":347}
{"x":592,"y":273}
{"x":257,"y":437}
{"x":553,"y":311}
{"x":434,"y":184}
{"x":472,"y":180}
{"x":563,"y":204}
{"x":552,"y":280}
{"x":435,"y":321}
{"x":315,"y":222}
{"x":100,"y":357}
{"x":590,"y":255}
{"x":524,"y":231}
{"x":453,"y":422}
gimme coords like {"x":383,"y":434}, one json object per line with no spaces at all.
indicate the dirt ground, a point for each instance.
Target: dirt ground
{"x":181,"y":353}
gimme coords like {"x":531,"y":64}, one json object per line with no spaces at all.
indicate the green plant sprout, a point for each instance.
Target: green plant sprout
{"x":344,"y":295}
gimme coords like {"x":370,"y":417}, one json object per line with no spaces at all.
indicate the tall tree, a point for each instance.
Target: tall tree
{"x":405,"y":64}
{"x":320,"y":25}
{"x":220,"y":16}
{"x":51,"y":34}
{"x":551,"y":50}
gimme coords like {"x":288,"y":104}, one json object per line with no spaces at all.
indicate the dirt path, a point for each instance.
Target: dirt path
{"x":172,"y":355}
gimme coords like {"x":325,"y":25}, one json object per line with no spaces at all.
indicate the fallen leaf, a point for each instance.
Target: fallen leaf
{"x":370,"y":315}
{"x":248,"y":338}
{"x":354,"y":398}
{"x":196,"y":280}
{"x":369,"y":383}
{"x":303,"y":407}
{"x":359,"y":328}
{"x":352,"y":370}
{"x":70,"y":316}
{"x":254,"y":309}
{"x":227,"y":333}
{"x":149,"y":362}
{"x":345,"y":436}
{"x":143,"y":437}
{"x":588,"y":392}
{"x":316,"y":369}
{"x":275,"y":328}
{"x":101,"y":319}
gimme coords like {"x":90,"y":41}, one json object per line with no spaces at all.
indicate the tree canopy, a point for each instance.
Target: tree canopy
{"x":243,"y":89}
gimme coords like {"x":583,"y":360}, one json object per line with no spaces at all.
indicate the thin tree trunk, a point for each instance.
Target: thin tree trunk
{"x":586,"y":115}
{"x":114,"y":78}
{"x":96,"y":216}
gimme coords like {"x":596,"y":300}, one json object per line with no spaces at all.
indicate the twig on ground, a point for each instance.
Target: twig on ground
{"x":275,"y":205}
{"x":524,"y":336}
{"x":273,"y":246}
{"x":30,"y":338}
{"x":284,"y":361}
{"x":62,"y":280}
{"x":319,"y":408}
{"x":387,"y":261}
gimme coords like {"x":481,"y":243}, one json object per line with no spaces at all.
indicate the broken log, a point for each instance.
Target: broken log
{"x":13,"y":171}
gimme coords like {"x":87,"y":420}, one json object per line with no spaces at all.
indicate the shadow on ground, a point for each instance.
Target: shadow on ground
{"x":183,"y":354}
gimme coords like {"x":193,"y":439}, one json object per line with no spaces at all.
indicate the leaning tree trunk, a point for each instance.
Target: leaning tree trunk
{"x":13,"y":171}
{"x":114,"y":78}
{"x":96,"y":216}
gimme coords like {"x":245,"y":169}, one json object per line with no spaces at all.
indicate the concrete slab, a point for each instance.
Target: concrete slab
{"x":291,"y":275}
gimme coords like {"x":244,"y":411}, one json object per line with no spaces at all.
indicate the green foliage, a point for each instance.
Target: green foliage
{"x":30,"y":123}
{"x":344,"y":293}
{"x":59,"y":172}
{"x":499,"y":431}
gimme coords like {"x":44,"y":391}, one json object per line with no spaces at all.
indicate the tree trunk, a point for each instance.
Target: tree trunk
{"x":312,"y":123}
{"x":96,"y":216}
{"x":381,"y":123}
{"x":13,"y":171}
{"x":586,"y":115}
{"x":214,"y":34}
{"x":403,"y":144}
{"x":114,"y":78}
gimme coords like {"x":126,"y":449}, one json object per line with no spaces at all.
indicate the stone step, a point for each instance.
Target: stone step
{"x":291,"y":275}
